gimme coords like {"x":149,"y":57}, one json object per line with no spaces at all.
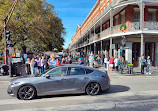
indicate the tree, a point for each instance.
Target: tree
{"x":34,"y":23}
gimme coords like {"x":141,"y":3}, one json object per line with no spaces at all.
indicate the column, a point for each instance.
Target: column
{"x":142,"y":6}
{"x":94,"y":49}
{"x":111,"y":30}
{"x":128,"y":52}
{"x":101,"y":52}
{"x":101,"y":46}
{"x":94,"y":34}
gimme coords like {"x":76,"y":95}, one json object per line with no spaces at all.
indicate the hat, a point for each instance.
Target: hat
{"x":79,"y":59}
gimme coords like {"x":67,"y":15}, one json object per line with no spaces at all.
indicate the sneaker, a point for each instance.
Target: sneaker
{"x":147,"y":73}
{"x":150,"y":73}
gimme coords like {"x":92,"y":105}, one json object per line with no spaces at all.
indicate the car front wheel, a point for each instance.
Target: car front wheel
{"x":93,"y":89}
{"x":26,"y":93}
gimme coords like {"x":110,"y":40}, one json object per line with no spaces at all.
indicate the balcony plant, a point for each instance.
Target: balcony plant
{"x":98,"y":36}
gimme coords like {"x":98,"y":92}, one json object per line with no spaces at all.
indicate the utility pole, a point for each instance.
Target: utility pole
{"x":6,"y":20}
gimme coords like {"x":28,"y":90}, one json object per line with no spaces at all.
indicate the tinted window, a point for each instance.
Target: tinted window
{"x":88,"y":71}
{"x":62,"y":71}
{"x":77,"y":71}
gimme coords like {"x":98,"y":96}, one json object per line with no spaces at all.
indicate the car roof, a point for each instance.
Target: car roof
{"x":73,"y":65}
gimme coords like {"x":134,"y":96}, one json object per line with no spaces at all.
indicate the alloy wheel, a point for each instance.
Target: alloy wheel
{"x":27,"y":92}
{"x":93,"y":89}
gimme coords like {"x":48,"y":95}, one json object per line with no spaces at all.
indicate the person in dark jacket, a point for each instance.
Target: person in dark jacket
{"x":80,"y":62}
{"x":142,"y":63}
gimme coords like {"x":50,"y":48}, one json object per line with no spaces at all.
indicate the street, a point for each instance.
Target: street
{"x":132,"y":93}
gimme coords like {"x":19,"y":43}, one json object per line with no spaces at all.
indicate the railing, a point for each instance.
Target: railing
{"x":130,"y":26}
{"x":105,"y":32}
{"x":150,"y":25}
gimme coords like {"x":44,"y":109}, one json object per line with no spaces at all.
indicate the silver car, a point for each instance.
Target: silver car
{"x":66,"y":79}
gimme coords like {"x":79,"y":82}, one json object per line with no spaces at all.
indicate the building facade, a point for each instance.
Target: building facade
{"x":127,"y":28}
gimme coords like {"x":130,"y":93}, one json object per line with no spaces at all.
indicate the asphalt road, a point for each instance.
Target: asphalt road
{"x":127,"y":93}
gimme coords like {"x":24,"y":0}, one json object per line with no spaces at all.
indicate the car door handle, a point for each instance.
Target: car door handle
{"x":85,"y":78}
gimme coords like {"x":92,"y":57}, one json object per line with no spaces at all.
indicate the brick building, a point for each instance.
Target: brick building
{"x":119,"y":27}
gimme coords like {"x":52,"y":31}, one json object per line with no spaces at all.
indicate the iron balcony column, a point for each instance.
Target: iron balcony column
{"x":142,"y":6}
{"x":111,"y":30}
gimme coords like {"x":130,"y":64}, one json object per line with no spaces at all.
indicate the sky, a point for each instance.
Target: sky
{"x":72,"y":13}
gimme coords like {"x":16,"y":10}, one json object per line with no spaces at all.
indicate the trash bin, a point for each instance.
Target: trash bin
{"x":16,"y":69}
{"x":130,"y":68}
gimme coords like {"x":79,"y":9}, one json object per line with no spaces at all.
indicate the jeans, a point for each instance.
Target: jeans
{"x":148,"y":68}
{"x":32,"y":71}
{"x":142,"y":69}
{"x":42,"y":68}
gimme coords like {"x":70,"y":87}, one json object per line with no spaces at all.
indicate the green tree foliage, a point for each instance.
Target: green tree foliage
{"x":34,"y":23}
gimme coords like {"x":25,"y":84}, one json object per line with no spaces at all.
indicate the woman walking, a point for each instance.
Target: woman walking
{"x":32,"y":67}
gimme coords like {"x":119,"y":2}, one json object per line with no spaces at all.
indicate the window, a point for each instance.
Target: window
{"x":77,"y":71}
{"x":136,"y":16}
{"x":88,"y":71}
{"x":62,"y":71}
{"x":151,"y":16}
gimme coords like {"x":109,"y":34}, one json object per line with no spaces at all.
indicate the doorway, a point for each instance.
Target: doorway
{"x":136,"y":53}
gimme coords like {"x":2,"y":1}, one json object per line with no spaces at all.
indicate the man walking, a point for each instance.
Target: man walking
{"x":142,"y":63}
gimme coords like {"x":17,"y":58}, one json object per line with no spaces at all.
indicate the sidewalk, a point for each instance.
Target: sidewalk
{"x":136,"y":72}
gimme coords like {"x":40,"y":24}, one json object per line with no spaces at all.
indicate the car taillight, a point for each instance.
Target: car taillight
{"x":107,"y":77}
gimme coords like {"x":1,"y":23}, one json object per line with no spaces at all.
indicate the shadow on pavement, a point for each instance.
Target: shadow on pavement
{"x":116,"y":89}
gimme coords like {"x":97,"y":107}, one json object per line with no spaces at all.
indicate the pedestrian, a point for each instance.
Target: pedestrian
{"x":111,"y":62}
{"x":63,"y":61}
{"x":52,"y":62}
{"x":39,"y":66}
{"x":106,"y":62}
{"x":27,"y":66}
{"x":69,"y":60}
{"x":91,"y":58}
{"x":148,"y":63}
{"x":46,"y":63}
{"x":42,"y":64}
{"x":98,"y":59}
{"x":80,"y":62}
{"x":32,"y":67}
{"x":57,"y":62}
{"x":117,"y":63}
{"x":142,"y":62}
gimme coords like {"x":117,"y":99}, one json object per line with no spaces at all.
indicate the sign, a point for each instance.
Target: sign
{"x":17,"y":54}
{"x":11,"y":50}
{"x":14,"y":60}
{"x":113,"y":46}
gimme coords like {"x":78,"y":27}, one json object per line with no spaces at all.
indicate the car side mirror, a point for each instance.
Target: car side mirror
{"x":47,"y":76}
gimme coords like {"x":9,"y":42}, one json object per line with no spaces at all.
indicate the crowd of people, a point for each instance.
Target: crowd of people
{"x":118,"y":64}
{"x":39,"y":64}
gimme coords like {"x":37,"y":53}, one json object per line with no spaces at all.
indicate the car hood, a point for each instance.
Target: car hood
{"x":25,"y":79}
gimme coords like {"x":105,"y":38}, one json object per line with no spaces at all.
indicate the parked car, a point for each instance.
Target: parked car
{"x":4,"y":69}
{"x":66,"y":79}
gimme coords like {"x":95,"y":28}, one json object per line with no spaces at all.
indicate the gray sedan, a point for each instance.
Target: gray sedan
{"x":66,"y":79}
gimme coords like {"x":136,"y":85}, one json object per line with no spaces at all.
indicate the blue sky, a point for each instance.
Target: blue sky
{"x":72,"y":13}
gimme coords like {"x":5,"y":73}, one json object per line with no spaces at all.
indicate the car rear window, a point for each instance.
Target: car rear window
{"x":88,"y":71}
